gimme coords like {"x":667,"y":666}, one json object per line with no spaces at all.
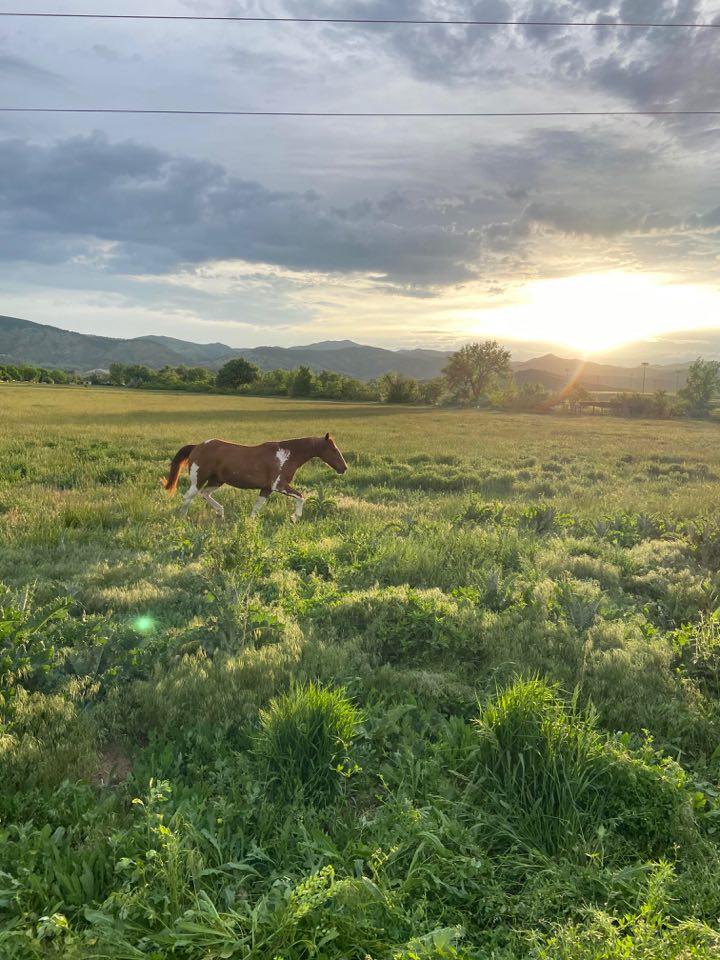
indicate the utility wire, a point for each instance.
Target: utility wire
{"x":344,"y":113}
{"x":362,"y":20}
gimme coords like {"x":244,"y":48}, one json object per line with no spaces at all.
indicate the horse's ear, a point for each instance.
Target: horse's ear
{"x":327,"y":437}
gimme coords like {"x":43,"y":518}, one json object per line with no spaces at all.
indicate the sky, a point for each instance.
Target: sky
{"x":587,"y":234}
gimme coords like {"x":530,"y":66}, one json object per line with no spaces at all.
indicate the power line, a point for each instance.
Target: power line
{"x":364,"y":20}
{"x":368,"y":114}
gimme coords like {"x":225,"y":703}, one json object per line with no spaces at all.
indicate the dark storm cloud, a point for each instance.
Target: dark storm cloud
{"x":161,"y":210}
{"x":609,"y":222}
{"x":647,"y":68}
{"x":548,"y":159}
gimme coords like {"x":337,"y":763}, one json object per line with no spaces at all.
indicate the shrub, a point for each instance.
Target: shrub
{"x":567,"y":786}
{"x":29,"y":634}
{"x":697,"y":648}
{"x":704,"y":539}
{"x":305,"y":736}
{"x":543,"y":520}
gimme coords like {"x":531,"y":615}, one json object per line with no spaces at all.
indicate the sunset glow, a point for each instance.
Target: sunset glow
{"x":597,"y":312}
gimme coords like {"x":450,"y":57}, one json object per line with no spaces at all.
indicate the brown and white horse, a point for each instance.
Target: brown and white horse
{"x":266,"y":467}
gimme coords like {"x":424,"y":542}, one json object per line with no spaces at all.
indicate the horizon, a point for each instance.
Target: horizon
{"x":526,"y":353}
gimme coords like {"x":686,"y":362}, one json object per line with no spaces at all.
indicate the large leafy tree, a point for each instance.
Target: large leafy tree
{"x":473,"y":368}
{"x":303,"y":382}
{"x":703,"y":383}
{"x":237,"y":372}
{"x":396,"y":388}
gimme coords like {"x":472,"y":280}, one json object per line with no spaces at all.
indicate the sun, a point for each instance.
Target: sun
{"x":595,"y":312}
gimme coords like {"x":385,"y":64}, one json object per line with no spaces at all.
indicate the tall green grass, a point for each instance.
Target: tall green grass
{"x":304,"y":742}
{"x":467,"y":708}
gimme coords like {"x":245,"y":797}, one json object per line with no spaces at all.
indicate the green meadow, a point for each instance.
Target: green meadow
{"x":467,"y":708}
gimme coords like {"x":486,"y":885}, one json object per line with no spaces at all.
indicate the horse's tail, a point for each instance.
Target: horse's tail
{"x":178,"y":462}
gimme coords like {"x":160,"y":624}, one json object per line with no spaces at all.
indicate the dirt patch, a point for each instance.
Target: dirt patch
{"x":113,"y":767}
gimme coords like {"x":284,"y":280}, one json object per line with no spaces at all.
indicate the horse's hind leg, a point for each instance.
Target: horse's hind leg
{"x":217,"y":507}
{"x":192,"y":492}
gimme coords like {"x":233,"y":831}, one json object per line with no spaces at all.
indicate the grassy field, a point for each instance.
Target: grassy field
{"x":467,"y":708}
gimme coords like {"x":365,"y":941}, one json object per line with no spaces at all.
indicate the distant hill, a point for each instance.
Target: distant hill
{"x":195,"y":352}
{"x":354,"y":360}
{"x":328,"y":345}
{"x":604,"y":376}
{"x":22,"y":341}
{"x":551,"y":381}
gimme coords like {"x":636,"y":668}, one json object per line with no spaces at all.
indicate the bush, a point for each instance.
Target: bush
{"x":570,"y":789}
{"x":305,"y":736}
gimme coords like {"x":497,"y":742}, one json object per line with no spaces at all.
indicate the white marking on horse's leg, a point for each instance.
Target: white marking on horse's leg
{"x":217,"y":507}
{"x":187,"y":500}
{"x":276,"y":481}
{"x":299,"y":504}
{"x":192,"y":492}
{"x":258,"y":505}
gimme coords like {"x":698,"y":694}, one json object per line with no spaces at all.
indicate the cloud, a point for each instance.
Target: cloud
{"x":161,"y":210}
{"x":412,"y":211}
{"x":640,"y":68}
{"x":18,"y":67}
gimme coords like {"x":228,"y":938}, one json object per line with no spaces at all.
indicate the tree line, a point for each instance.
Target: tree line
{"x":477,"y":375}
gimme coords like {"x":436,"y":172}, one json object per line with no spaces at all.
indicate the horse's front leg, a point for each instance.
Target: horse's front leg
{"x":260,"y":502}
{"x":294,"y":495}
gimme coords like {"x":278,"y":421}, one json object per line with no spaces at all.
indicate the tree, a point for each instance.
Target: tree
{"x":529,"y":397}
{"x":575,"y":397}
{"x":29,"y":373}
{"x":703,"y":382}
{"x":397,"y":388}
{"x":273,"y":383}
{"x":117,"y":374}
{"x":235,"y":373}
{"x":302,"y":383}
{"x":471,"y":370}
{"x":430,"y":391}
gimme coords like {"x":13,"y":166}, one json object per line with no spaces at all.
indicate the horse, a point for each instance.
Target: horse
{"x":267,"y":467}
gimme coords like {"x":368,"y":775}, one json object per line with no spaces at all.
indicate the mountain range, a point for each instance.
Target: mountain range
{"x":22,"y":341}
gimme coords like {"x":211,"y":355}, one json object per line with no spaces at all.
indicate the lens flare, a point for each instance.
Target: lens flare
{"x":143,"y":624}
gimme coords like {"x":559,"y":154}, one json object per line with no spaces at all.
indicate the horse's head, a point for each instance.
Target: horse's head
{"x":331,"y":455}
